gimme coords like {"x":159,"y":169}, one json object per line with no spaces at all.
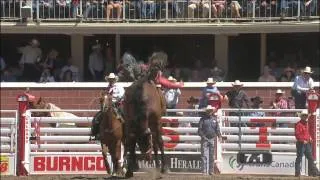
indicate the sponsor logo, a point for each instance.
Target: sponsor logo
{"x":234,"y":165}
{"x":4,"y":164}
{"x":68,"y":163}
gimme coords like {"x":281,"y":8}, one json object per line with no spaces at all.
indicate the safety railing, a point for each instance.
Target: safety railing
{"x":156,"y":10}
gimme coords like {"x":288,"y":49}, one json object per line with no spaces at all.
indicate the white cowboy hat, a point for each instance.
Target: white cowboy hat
{"x":211,"y":81}
{"x":158,"y":86}
{"x":304,"y":112}
{"x":279,"y":91}
{"x":237,"y":83}
{"x":111,"y":76}
{"x":307,"y":69}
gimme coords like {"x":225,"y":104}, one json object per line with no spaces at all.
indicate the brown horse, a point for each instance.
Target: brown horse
{"x":143,"y":108}
{"x":111,"y":135}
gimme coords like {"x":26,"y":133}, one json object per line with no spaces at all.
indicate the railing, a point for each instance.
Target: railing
{"x":156,"y":10}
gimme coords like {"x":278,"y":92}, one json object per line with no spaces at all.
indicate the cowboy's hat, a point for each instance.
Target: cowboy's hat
{"x":192,"y":100}
{"x":279,"y":91}
{"x":237,"y":83}
{"x":111,"y":76}
{"x":211,"y":81}
{"x":307,"y":69}
{"x":304,"y":112}
{"x":158,"y":86}
{"x":257,"y":98}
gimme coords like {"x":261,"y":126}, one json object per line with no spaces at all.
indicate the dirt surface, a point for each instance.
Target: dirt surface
{"x":151,"y":176}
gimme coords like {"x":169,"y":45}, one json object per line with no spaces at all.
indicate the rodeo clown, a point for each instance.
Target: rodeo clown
{"x":117,"y":93}
{"x":208,"y":130}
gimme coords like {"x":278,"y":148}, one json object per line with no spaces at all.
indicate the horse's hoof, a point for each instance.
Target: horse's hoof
{"x":129,"y":174}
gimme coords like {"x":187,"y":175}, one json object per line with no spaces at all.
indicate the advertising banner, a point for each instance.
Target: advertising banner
{"x":7,"y":165}
{"x":282,"y":164}
{"x":94,"y":164}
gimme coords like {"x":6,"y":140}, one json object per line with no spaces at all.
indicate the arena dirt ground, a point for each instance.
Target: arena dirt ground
{"x":150,"y":176}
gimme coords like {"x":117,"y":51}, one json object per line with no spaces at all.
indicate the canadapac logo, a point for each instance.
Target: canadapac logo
{"x":233,"y":163}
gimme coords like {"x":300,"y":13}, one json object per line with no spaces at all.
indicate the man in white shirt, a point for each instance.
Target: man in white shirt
{"x":302,"y":85}
{"x":96,"y":65}
{"x":172,"y":95}
{"x":31,"y":54}
{"x":117,"y":93}
{"x":72,"y":68}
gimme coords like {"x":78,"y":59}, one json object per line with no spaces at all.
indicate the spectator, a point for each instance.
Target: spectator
{"x":110,"y":5}
{"x":302,"y":84}
{"x":208,"y":130}
{"x":46,"y":76}
{"x":211,"y":95}
{"x":50,"y":59}
{"x":193,"y":4}
{"x":7,"y":76}
{"x":193,"y":103}
{"x":129,"y":62}
{"x":237,"y":98}
{"x":172,"y":95}
{"x":303,"y":145}
{"x":235,"y":9}
{"x":218,"y":7}
{"x":256,"y":104}
{"x":90,"y":5}
{"x":67,"y":76}
{"x":288,"y":75}
{"x":266,"y":76}
{"x":72,"y":68}
{"x":280,"y":102}
{"x":195,"y":76}
{"x":75,"y":4}
{"x":96,"y":61}
{"x":31,"y":55}
{"x":217,"y":74}
{"x":2,"y":64}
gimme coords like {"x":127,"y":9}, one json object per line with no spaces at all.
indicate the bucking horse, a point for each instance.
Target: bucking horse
{"x":144,"y":106}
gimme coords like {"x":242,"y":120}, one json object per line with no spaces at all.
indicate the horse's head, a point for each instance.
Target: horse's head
{"x":40,"y":104}
{"x":145,"y":143}
{"x":105,"y":101}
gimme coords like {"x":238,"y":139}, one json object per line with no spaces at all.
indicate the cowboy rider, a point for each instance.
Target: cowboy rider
{"x":117,"y":93}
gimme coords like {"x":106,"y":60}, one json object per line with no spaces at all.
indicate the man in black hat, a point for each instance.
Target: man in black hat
{"x":193,"y":103}
{"x":256,"y":104}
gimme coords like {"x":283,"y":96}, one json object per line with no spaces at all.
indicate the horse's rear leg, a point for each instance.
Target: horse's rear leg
{"x":105,"y":157}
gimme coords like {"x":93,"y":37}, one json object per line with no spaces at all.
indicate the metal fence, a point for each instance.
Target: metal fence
{"x":159,"y":10}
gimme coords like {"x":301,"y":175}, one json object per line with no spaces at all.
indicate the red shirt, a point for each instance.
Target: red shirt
{"x":302,"y":131}
{"x":214,"y":100}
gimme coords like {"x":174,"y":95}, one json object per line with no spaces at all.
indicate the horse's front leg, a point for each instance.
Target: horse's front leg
{"x":155,"y":150}
{"x":163,"y":162}
{"x":105,"y":157}
{"x":131,"y":160}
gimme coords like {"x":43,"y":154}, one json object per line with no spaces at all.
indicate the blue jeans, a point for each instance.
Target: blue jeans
{"x":89,"y":8}
{"x":285,"y":4}
{"x":147,"y":9}
{"x":304,"y":149}
{"x":207,"y":155}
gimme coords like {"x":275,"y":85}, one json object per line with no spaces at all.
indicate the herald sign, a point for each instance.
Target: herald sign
{"x":66,"y":164}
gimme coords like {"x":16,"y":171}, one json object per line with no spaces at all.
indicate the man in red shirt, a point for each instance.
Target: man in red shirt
{"x":303,"y":145}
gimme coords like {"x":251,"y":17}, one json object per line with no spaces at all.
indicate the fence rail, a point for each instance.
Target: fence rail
{"x":155,"y":10}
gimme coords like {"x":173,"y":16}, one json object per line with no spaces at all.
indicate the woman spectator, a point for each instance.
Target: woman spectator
{"x":218,"y":7}
{"x":288,"y":75}
{"x":267,"y":76}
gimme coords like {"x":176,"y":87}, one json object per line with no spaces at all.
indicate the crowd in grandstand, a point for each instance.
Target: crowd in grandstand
{"x":147,"y":9}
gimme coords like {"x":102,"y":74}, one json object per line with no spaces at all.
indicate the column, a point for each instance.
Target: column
{"x":221,"y":51}
{"x":77,"y":42}
{"x":118,"y":49}
{"x":263,"y":51}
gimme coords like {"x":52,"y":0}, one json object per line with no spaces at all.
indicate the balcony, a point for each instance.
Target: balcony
{"x":148,"y":11}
